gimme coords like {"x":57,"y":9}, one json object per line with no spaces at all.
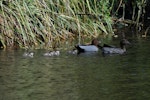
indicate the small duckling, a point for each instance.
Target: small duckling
{"x":57,"y":53}
{"x":74,"y":51}
{"x":46,"y":54}
{"x":28,"y":54}
{"x":52,"y":53}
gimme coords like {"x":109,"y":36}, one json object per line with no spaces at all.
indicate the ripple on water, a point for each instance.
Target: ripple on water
{"x":76,"y":77}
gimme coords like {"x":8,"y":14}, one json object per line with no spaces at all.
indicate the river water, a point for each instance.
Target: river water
{"x":77,"y":77}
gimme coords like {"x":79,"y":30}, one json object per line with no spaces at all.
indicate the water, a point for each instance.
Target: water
{"x":72,"y":77}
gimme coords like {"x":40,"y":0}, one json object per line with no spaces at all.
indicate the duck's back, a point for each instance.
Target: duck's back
{"x":89,"y":48}
{"x":109,"y":50}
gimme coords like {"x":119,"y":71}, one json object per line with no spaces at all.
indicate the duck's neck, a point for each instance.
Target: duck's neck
{"x":99,"y":46}
{"x":123,"y":47}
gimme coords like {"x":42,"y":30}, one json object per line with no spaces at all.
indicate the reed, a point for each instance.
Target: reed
{"x":48,"y":23}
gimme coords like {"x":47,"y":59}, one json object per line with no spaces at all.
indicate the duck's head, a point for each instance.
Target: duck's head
{"x":124,"y":42}
{"x":95,"y":42}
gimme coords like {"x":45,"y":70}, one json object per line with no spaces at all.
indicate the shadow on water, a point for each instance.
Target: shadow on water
{"x":76,"y":77}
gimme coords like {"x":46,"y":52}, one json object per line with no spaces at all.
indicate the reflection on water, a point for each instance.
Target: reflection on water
{"x":76,"y":77}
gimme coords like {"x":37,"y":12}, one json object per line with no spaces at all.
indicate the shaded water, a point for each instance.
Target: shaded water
{"x":72,"y":77}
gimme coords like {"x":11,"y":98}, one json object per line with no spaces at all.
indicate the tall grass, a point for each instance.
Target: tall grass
{"x":47,"y":23}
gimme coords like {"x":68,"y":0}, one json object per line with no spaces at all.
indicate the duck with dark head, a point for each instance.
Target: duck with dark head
{"x":93,"y":47}
{"x":106,"y":49}
{"x":116,"y":50}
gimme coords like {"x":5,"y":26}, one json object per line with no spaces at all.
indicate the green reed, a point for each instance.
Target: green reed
{"x":47,"y":23}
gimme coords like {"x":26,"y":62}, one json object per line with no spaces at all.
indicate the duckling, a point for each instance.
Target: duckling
{"x":74,"y":51}
{"x":57,"y":53}
{"x":46,"y":54}
{"x":28,"y":54}
{"x":52,"y":53}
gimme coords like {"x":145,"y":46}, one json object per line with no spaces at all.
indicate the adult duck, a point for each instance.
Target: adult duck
{"x":93,"y":47}
{"x":106,"y":49}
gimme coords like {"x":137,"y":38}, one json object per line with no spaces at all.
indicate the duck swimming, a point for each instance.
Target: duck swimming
{"x":93,"y":47}
{"x":52,"y":53}
{"x":74,"y":51}
{"x":28,"y":54}
{"x":106,"y":49}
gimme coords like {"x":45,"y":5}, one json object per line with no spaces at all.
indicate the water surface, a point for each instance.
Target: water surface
{"x":76,"y":77}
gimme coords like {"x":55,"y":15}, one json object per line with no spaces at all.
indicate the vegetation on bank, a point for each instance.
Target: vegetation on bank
{"x":47,"y":23}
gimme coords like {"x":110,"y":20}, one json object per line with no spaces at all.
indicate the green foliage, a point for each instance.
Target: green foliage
{"x":33,"y":23}
{"x":44,"y":23}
